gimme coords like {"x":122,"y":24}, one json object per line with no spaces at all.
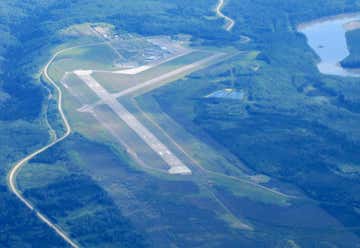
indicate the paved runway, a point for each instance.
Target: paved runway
{"x":176,"y":166}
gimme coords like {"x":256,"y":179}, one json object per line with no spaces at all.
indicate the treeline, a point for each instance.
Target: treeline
{"x":28,"y":35}
{"x":264,"y":19}
{"x":100,"y":222}
{"x":76,"y":202}
{"x":15,"y":220}
{"x":353,"y":42}
{"x":28,"y":30}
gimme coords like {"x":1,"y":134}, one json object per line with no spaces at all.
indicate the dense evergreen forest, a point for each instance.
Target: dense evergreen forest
{"x":29,"y":30}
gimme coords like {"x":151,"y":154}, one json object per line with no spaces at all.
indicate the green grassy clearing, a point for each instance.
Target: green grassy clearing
{"x":79,"y":89}
{"x":117,"y":82}
{"x":201,"y":152}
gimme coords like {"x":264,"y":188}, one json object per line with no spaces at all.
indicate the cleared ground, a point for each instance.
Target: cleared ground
{"x":176,"y":166}
{"x":148,"y":142}
{"x":102,"y":105}
{"x":88,"y":92}
{"x":115,"y":82}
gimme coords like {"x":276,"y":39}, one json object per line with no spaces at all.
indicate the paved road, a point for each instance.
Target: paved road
{"x":230,"y":23}
{"x":17,"y":167}
{"x":126,"y":116}
{"x":11,"y":179}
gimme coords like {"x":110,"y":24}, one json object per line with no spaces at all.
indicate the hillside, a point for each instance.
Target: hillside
{"x":272,"y":143}
{"x":353,"y":60}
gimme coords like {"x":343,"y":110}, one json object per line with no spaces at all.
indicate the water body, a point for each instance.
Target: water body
{"x":327,"y":38}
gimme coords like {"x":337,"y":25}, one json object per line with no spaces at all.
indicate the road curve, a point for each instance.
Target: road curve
{"x":17,"y":167}
{"x":230,"y":23}
{"x":11,"y":179}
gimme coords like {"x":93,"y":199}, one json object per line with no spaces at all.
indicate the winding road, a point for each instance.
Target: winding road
{"x":11,"y":179}
{"x":17,"y":167}
{"x":12,"y":175}
{"x":230,"y":23}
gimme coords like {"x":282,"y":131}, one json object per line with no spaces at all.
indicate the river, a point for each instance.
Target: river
{"x":327,"y":38}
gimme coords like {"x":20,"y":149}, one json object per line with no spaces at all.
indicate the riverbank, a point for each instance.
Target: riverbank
{"x":327,"y":37}
{"x":304,"y":25}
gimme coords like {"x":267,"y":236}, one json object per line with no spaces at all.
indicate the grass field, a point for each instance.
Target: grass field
{"x":117,"y":82}
{"x":202,"y":157}
{"x":294,"y":125}
{"x":214,"y":162}
{"x":78,"y":89}
{"x":95,"y":56}
{"x":220,"y":184}
{"x":202,"y":152}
